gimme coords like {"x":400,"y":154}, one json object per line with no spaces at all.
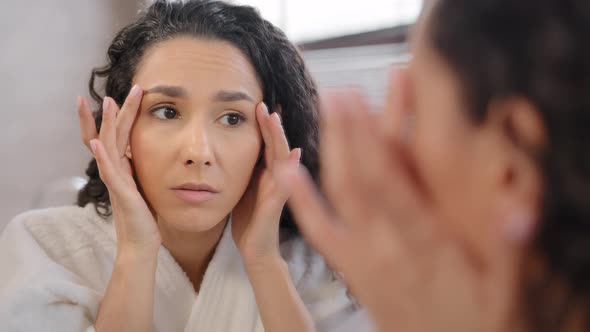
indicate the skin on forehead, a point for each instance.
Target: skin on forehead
{"x":221,"y":63}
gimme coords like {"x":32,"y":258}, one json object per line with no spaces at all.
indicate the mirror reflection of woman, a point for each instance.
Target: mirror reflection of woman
{"x":181,"y":225}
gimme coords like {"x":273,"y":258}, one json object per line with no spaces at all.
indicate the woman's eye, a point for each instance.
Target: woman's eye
{"x":232,"y":119}
{"x":165,"y":113}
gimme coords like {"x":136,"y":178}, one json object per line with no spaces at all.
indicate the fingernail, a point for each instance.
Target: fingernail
{"x":105,"y":103}
{"x":78,"y":102}
{"x":135,"y":91}
{"x":93,"y":146}
{"x":264,"y":108}
{"x":277,"y":118}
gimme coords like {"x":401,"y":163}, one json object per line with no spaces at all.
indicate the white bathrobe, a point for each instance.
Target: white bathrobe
{"x":55,"y":265}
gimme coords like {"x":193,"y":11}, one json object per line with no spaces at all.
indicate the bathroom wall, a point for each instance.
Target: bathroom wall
{"x":47,"y":49}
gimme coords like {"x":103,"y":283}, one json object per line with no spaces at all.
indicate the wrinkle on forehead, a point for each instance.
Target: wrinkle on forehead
{"x":180,"y":56}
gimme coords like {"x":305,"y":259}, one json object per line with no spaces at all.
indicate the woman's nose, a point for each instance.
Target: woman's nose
{"x":196,"y":147}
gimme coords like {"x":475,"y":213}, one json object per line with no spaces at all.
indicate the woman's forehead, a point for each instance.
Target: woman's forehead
{"x":197,"y":63}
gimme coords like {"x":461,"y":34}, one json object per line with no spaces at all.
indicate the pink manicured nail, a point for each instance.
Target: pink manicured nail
{"x":105,"y":103}
{"x":277,"y":118}
{"x":135,"y":91}
{"x":93,"y":146}
{"x":264,"y":108}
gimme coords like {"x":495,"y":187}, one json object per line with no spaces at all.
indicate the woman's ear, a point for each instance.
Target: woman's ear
{"x":128,"y":152}
{"x":522,"y":135}
{"x":522,"y":124}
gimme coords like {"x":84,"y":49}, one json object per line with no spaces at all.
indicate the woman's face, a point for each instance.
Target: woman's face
{"x":196,"y":126}
{"x":472,"y":172}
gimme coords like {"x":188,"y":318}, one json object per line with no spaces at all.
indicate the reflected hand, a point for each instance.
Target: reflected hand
{"x":385,"y":236}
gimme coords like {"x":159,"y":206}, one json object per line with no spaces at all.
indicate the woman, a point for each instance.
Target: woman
{"x":470,"y":209}
{"x":178,"y":227}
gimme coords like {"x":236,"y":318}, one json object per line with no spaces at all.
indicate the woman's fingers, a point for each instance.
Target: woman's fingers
{"x":126,"y":118}
{"x":395,"y":187}
{"x":103,"y":145}
{"x":280,"y":144}
{"x":396,"y":124}
{"x":295,"y":155}
{"x":365,"y":157}
{"x":338,"y":158}
{"x":108,"y":129}
{"x":262,"y":117}
{"x":87,"y":124}
{"x":275,"y":140}
{"x":364,"y":178}
{"x":282,"y":188}
{"x":106,"y":168}
{"x":123,"y":123}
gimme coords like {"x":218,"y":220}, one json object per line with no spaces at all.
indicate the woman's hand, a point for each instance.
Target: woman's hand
{"x":128,"y":301}
{"x":385,"y":236}
{"x":135,"y":225}
{"x":255,"y":220}
{"x":255,"y":228}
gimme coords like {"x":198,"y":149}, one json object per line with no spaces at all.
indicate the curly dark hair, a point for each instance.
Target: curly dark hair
{"x":280,"y":69}
{"x":538,"y":49}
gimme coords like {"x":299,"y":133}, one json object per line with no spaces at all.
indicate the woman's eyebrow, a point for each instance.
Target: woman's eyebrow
{"x":168,"y":90}
{"x":227,"y":96}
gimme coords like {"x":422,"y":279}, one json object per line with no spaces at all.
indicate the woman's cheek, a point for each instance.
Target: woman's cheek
{"x":243,"y":153}
{"x":149,"y":151}
{"x":247,"y":154}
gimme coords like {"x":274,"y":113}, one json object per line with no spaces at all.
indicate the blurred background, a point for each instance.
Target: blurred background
{"x":48,"y":49}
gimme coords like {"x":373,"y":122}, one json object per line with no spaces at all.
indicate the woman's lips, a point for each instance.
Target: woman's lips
{"x":194,"y":196}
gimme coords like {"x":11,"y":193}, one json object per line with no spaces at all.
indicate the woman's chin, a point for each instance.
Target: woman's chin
{"x":194,"y":220}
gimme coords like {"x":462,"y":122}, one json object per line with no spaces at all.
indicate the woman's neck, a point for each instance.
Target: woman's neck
{"x":192,"y":251}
